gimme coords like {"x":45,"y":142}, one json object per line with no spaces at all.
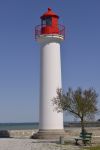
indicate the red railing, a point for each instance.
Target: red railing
{"x":43,"y":29}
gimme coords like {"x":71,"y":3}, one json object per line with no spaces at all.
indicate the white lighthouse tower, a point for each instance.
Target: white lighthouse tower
{"x":49,"y":35}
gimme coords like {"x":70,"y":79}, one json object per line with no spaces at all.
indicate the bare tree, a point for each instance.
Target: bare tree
{"x":80,"y":103}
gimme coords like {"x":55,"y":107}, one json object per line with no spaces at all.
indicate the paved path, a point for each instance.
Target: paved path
{"x":30,"y":144}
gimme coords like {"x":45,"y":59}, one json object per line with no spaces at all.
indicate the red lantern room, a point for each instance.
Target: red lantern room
{"x":49,"y":25}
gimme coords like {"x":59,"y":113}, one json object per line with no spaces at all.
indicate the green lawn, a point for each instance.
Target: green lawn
{"x":94,"y":148}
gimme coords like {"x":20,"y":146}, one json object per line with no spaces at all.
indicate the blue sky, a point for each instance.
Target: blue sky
{"x":20,"y":53}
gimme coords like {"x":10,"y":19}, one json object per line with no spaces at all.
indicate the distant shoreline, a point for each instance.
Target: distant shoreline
{"x":30,"y":126}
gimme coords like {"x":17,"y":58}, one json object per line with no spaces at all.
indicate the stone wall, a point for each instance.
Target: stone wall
{"x":70,"y":131}
{"x":22,"y":133}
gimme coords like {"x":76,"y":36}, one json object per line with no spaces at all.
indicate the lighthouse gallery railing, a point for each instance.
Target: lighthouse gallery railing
{"x":38,"y":30}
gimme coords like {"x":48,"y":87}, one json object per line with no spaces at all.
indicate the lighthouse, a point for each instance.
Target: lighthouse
{"x":49,"y":35}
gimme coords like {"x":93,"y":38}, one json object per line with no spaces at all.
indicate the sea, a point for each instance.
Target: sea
{"x":35,"y":125}
{"x":19,"y":126}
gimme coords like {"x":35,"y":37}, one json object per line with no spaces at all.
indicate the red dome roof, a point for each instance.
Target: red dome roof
{"x":49,"y":13}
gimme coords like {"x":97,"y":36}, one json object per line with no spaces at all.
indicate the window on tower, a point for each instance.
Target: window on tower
{"x":47,"y":21}
{"x":43,"y":22}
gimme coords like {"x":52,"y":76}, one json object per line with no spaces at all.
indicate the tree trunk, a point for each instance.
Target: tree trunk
{"x":83,"y":130}
{"x":82,"y":126}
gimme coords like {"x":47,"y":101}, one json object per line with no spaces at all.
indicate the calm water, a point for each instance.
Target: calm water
{"x":26,"y":126}
{"x":18,"y":126}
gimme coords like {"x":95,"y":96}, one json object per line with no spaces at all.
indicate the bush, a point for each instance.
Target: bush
{"x":4,"y":134}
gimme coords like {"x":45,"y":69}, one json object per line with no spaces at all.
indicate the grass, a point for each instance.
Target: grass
{"x":94,"y":148}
